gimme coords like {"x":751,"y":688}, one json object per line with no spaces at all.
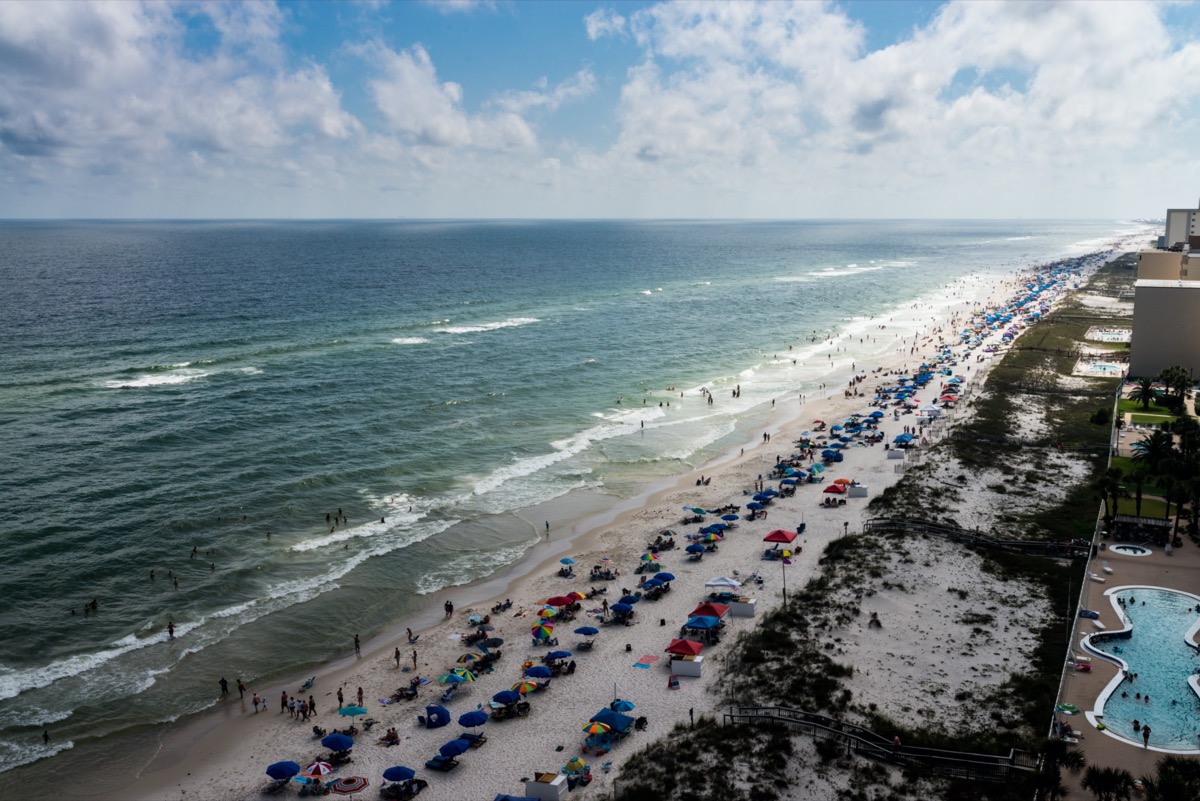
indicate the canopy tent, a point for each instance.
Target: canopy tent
{"x":685,"y":647}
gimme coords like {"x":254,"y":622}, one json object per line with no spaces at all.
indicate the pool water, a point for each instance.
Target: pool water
{"x":1163,"y":661}
{"x":1131,"y":550}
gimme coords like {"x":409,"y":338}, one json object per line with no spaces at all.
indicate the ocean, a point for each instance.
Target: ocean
{"x":449,"y":386}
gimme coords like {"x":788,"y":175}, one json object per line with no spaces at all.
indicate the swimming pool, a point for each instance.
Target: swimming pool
{"x":1162,"y":624}
{"x":1131,"y":550}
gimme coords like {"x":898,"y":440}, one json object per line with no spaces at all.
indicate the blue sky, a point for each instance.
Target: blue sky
{"x":580,"y":109}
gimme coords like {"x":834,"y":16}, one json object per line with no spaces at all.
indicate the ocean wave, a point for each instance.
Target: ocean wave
{"x":849,"y":269}
{"x":409,"y":341}
{"x":366,"y":530}
{"x":467,"y":567}
{"x":512,"y":322}
{"x":15,"y":755}
{"x":646,"y":292}
{"x":157,"y":379}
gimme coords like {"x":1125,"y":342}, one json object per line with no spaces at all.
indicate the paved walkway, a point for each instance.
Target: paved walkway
{"x":1179,"y":571}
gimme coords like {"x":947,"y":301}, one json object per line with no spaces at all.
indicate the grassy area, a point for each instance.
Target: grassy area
{"x":1151,"y":507}
{"x":1127,"y":406}
{"x":1127,"y":466}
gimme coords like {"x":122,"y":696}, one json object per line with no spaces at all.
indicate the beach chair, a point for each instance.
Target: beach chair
{"x":476,"y":740}
{"x":442,"y":764}
{"x":1104,"y":566}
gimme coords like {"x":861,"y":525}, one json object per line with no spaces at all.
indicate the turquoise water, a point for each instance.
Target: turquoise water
{"x":1163,"y":661}
{"x":165,"y":386}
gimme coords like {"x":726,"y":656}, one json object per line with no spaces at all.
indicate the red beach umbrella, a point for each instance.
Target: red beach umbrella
{"x":560,"y":600}
{"x":685,"y":648}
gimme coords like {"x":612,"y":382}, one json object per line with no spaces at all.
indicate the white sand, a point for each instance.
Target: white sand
{"x":223,"y":754}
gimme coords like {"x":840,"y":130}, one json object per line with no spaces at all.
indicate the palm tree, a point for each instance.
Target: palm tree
{"x":1056,"y":756}
{"x":1177,"y":778}
{"x":1108,"y":784}
{"x":1144,"y":393}
{"x":1108,"y":486}
{"x":1176,"y":380}
{"x":1152,"y":449}
{"x":1188,"y":431}
{"x":1139,"y":477}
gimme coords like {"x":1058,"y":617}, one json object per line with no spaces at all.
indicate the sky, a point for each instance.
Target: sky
{"x":501,"y":109}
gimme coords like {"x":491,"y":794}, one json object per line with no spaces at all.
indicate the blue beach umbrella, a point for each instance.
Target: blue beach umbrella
{"x":454,"y":748}
{"x":629,"y":599}
{"x":351,"y":711}
{"x":476,"y":717}
{"x":282,"y":771}
{"x":338,"y":742}
{"x":652,"y":583}
{"x":589,"y":631}
{"x":788,"y":481}
{"x":731,"y":517}
{"x":755,"y":505}
{"x":622,"y":608}
{"x":663,"y":575}
{"x":399,"y":773}
{"x":621,"y":705}
{"x":558,"y":655}
{"x":539,"y":672}
{"x":506,"y":697}
{"x":566,"y":560}
{"x":695,"y":549}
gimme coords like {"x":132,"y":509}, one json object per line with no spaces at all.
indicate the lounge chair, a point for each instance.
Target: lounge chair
{"x":476,"y":740}
{"x":1105,"y":567}
{"x":441,"y":763}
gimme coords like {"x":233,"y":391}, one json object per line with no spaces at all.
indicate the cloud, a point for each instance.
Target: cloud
{"x":460,"y":6}
{"x":604,"y":22}
{"x":577,"y":87}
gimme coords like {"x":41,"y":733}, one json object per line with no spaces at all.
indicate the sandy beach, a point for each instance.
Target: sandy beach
{"x":223,"y":754}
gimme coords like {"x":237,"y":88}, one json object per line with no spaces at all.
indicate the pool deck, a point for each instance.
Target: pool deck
{"x":1180,"y":571}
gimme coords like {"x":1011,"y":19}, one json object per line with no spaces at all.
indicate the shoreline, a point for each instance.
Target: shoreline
{"x":205,"y":737}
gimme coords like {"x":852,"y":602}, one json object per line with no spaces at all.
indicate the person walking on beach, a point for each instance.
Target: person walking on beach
{"x":360,"y":696}
{"x":357,"y":647}
{"x":283,"y":702}
{"x":341,"y":703}
{"x":241,"y":689}
{"x":254,"y":699}
{"x":312,"y":706}
{"x":397,"y":656}
{"x":414,"y":659}
{"x":449,"y":607}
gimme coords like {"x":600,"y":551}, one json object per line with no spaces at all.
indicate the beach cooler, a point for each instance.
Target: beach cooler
{"x":858,"y":491}
{"x":743,"y":607}
{"x":547,"y":786}
{"x":688,"y":665}
{"x":895,"y":453}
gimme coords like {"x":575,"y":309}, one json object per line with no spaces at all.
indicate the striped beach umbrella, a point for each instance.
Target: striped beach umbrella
{"x":595,"y":727}
{"x":467,"y":658}
{"x":649,"y":557}
{"x":542,"y":631}
{"x":524,"y":687}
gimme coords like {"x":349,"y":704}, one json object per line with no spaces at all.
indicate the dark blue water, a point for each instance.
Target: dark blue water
{"x":165,"y":386}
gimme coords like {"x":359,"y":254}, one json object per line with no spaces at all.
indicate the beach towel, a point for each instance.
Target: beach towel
{"x":645,"y":662}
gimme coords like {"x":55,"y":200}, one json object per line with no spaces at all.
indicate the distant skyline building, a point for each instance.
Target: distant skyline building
{"x":1182,"y":228}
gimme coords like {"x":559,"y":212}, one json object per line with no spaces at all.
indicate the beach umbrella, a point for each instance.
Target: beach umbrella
{"x":524,"y":687}
{"x":539,"y":672}
{"x":399,"y":773}
{"x":695,"y":548}
{"x":649,"y":557}
{"x":712,"y":538}
{"x":348,"y":785}
{"x":877,"y":414}
{"x":566,"y":560}
{"x":476,"y":717}
{"x":352,"y":711}
{"x":731,"y":517}
{"x":318,"y":768}
{"x":699,"y":511}
{"x":558,"y":655}
{"x":450,"y":678}
{"x":755,"y":505}
{"x":560,"y":600}
{"x":467,"y":658}
{"x":338,"y":742}
{"x":454,"y":748}
{"x":629,"y":599}
{"x":784,"y":481}
{"x":779,"y":535}
{"x":589,"y":631}
{"x":621,"y":608}
{"x":621,"y":705}
{"x":576,"y":765}
{"x":710,"y":609}
{"x":281,"y":771}
{"x":493,"y":642}
{"x":464,"y":674}
{"x":542,"y":631}
{"x":578,"y":596}
{"x":685,"y":648}
{"x":596,"y":728}
{"x":663,"y":575}
{"x":841,"y":481}
{"x":547,"y":611}
{"x":652,"y":583}
{"x":668,"y":533}
{"x":506,"y":697}
{"x":761,"y":497}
